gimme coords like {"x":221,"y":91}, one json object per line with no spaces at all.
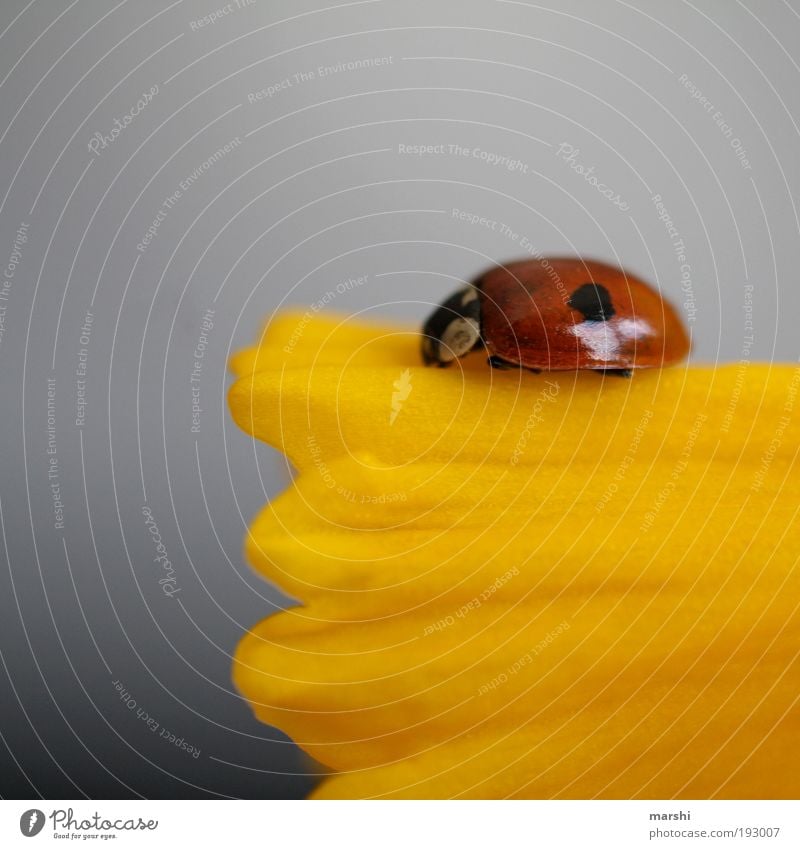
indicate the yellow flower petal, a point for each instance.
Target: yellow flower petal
{"x":517,"y":585}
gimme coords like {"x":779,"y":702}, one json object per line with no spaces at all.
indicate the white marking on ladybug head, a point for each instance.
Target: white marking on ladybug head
{"x":458,"y":338}
{"x":469,"y":296}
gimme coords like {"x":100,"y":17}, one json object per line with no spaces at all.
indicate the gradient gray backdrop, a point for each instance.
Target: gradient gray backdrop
{"x":695,"y":102}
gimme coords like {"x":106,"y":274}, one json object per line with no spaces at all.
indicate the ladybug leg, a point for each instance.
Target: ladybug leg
{"x":618,"y":372}
{"x":500,"y":364}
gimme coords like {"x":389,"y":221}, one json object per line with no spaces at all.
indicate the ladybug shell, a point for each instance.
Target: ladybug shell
{"x":567,"y":313}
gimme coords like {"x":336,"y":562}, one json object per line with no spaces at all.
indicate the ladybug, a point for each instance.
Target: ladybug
{"x":557,"y":314}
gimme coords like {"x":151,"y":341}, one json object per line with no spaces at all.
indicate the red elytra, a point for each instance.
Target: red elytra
{"x":558,"y":314}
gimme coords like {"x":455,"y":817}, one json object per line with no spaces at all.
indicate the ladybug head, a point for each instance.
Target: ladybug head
{"x":453,"y":328}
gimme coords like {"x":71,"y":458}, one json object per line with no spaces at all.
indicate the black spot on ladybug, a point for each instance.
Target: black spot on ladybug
{"x":593,"y":301}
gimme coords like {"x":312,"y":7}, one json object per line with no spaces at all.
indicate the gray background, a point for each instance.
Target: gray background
{"x":318,"y":191}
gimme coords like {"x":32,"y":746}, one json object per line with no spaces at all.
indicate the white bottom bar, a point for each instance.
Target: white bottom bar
{"x":384,"y":825}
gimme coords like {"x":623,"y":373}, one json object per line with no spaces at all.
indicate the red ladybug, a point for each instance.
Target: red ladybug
{"x":557,"y":314}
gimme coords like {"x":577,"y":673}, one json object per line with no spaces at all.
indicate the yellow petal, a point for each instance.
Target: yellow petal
{"x":556,"y":585}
